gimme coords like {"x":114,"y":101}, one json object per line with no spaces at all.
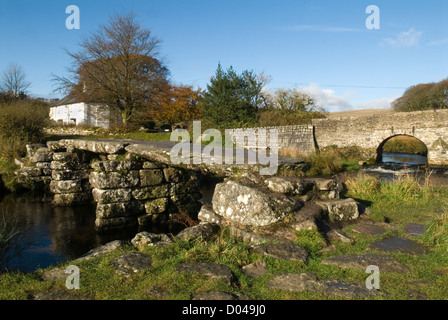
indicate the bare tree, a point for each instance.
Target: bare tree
{"x":118,"y":66}
{"x":13,"y":80}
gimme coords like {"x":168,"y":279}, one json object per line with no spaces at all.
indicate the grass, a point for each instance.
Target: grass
{"x":99,"y":281}
{"x":395,"y":202}
{"x":405,"y":144}
{"x":332,"y":160}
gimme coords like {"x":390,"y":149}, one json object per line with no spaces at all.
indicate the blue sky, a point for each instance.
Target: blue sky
{"x":323,"y":47}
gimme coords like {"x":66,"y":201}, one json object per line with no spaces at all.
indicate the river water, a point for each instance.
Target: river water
{"x":51,"y":235}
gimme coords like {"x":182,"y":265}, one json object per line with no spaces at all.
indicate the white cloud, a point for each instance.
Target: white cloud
{"x":408,"y":38}
{"x":382,"y":103}
{"x":328,"y":99}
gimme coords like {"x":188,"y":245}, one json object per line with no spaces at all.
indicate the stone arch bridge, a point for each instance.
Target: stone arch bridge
{"x":370,"y":132}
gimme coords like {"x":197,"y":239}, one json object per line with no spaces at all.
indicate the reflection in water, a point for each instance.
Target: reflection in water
{"x":401,"y":158}
{"x":49,"y":235}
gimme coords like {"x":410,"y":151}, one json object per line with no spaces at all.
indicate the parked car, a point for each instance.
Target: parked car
{"x":165,"y":128}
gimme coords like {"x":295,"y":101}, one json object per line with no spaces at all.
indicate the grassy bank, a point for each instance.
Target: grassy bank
{"x":405,"y":144}
{"x":332,"y":160}
{"x":394,"y":203}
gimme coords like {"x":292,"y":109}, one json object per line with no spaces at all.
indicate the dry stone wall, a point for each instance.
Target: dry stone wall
{"x":128,"y":190}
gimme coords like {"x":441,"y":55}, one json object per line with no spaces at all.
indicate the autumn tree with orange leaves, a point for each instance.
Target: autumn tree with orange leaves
{"x":178,"y":104}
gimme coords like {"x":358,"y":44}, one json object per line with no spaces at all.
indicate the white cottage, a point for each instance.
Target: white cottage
{"x":70,"y":111}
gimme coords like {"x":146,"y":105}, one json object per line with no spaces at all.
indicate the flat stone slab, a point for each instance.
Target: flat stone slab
{"x":283,"y":251}
{"x":414,"y":229}
{"x":361,"y":262}
{"x":256,"y":269}
{"x":132,"y":262}
{"x":369,"y":229}
{"x":212,"y":270}
{"x":102,"y":250}
{"x":399,"y":245}
{"x":56,"y":295}
{"x":54,"y":275}
{"x":308,"y":282}
{"x":218,"y":295}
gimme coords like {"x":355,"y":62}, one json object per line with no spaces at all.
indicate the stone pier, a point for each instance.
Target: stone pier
{"x":128,"y":188}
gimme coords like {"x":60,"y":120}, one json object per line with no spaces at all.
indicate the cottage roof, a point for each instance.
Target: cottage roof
{"x":64,"y":101}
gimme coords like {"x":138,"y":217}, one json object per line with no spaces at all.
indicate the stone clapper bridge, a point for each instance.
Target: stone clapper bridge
{"x":134,"y":183}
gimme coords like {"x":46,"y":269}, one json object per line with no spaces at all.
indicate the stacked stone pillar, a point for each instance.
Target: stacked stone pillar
{"x":70,"y":179}
{"x":130,"y":193}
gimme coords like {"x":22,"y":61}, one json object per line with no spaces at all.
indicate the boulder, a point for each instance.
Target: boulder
{"x":204,"y":231}
{"x":256,"y":269}
{"x":132,"y":262}
{"x":249,"y":206}
{"x":206,"y":214}
{"x":323,"y":184}
{"x":284,"y":251}
{"x":340,"y":210}
{"x":145,"y":238}
{"x":339,"y":235}
{"x":102,"y":250}
{"x":289,"y":186}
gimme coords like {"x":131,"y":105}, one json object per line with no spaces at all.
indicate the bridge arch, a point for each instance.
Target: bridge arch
{"x":379,"y":150}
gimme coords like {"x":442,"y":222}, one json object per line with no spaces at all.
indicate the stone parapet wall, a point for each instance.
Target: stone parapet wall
{"x":300,"y":138}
